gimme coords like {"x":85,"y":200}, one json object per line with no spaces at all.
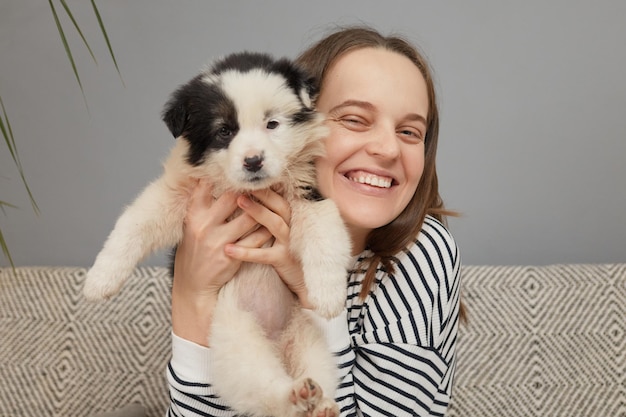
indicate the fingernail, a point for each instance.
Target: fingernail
{"x":231,"y":249}
{"x":244,"y":201}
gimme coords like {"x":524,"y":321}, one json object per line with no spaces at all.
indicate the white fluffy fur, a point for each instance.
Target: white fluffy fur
{"x":266,"y":349}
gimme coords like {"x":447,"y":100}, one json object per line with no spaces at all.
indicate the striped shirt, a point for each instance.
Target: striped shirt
{"x":395,"y":349}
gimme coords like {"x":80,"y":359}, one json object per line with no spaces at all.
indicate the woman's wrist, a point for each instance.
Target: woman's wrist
{"x":192,"y":314}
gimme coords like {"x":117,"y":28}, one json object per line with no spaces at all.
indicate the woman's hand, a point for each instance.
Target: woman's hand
{"x":273,"y":212}
{"x":201,"y":266}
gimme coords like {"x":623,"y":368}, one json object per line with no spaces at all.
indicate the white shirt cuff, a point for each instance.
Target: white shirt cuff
{"x":190,"y":360}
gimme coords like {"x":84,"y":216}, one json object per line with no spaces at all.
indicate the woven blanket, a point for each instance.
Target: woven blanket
{"x":63,"y":356}
{"x":541,"y":341}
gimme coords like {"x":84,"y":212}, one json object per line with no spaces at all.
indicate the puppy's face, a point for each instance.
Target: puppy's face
{"x":244,"y":119}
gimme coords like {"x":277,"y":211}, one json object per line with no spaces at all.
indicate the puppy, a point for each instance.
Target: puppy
{"x":248,"y":123}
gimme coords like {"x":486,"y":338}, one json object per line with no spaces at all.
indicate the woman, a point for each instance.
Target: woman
{"x":395,"y":343}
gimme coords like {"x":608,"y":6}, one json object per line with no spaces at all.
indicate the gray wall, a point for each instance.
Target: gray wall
{"x":532,"y":94}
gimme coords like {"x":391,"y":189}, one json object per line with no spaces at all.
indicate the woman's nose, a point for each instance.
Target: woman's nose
{"x":384,"y":143}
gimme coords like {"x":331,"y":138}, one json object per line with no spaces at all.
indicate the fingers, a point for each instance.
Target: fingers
{"x":210,"y":218}
{"x":268,"y":256}
{"x":275,"y":202}
{"x":272,"y":211}
{"x":203,"y":206}
{"x":256,"y":239}
{"x":200,"y":262}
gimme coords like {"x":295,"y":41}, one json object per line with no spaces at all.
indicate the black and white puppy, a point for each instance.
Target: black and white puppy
{"x":248,"y":123}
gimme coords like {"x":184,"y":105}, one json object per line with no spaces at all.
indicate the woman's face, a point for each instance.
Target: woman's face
{"x":376,"y":104}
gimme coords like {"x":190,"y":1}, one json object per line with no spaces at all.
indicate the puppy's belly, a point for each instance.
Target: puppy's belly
{"x":261,"y":292}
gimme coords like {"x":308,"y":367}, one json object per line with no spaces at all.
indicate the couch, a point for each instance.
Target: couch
{"x":540,"y":341}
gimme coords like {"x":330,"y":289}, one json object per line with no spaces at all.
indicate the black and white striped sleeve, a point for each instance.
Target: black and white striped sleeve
{"x":189,"y":379}
{"x":404,"y":333}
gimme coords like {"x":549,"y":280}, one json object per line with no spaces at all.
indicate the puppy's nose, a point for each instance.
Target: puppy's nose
{"x":253,"y":163}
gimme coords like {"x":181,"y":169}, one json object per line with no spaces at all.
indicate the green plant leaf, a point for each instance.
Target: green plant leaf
{"x":67,"y":49}
{"x":80,"y":32}
{"x":7,"y":133}
{"x":106,"y":38}
{"x":33,"y":203}
{"x":3,"y":243}
{"x":5,"y":250}
{"x":4,"y":203}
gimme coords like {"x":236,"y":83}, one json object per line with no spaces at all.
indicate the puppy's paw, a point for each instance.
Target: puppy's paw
{"x":329,"y":306}
{"x":306,"y":394}
{"x":328,"y":301}
{"x":99,"y":286}
{"x":325,"y":408}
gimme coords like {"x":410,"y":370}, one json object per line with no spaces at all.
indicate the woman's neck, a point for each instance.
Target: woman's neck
{"x":358,"y":236}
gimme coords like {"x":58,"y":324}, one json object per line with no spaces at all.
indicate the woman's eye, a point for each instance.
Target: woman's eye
{"x":272,"y":124}
{"x":352,"y":120}
{"x":412,"y":134}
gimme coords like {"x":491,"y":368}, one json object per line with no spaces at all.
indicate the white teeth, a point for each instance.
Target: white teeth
{"x":372,"y":180}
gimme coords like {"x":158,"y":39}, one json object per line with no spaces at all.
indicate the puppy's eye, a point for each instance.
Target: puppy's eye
{"x":224,"y":132}
{"x":272,"y":124}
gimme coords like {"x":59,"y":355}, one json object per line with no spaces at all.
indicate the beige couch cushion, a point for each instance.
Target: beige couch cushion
{"x":541,"y":341}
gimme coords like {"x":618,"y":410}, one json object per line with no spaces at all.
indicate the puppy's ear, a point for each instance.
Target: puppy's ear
{"x":299,"y":80}
{"x":175,"y":116}
{"x":309,"y":92}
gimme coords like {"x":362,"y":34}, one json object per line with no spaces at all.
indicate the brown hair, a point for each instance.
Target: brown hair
{"x":386,"y":241}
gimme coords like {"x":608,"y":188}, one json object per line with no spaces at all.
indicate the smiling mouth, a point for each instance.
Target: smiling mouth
{"x":370,"y":179}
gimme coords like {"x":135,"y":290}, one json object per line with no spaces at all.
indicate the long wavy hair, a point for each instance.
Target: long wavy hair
{"x":386,"y":241}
